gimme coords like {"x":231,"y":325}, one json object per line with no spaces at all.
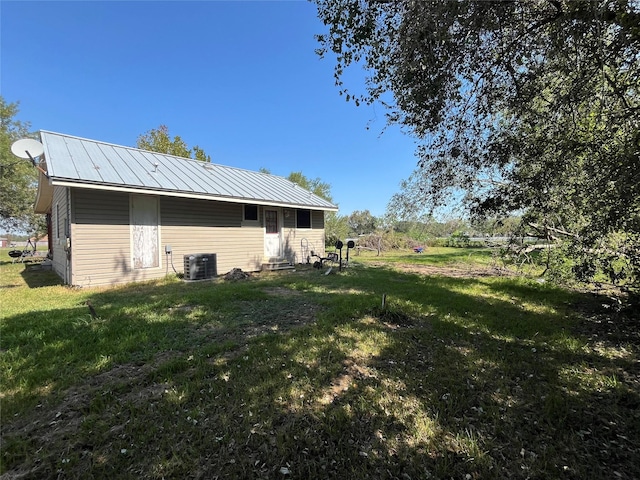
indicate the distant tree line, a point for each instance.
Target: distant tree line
{"x":399,"y":233}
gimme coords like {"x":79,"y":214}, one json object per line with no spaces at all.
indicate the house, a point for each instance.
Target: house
{"x":40,"y":240}
{"x":118,"y":214}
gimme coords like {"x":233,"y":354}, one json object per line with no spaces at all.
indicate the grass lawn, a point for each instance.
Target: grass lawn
{"x":304,"y":375}
{"x":435,"y":256}
{"x":454,"y":261}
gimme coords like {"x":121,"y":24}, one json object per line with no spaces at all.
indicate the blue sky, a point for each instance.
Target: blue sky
{"x":240,"y":79}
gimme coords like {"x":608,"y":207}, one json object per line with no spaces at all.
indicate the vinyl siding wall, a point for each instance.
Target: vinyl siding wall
{"x":59,"y":228}
{"x":101,"y":241}
{"x":299,"y":243}
{"x":101,"y":237}
{"x":201,"y":226}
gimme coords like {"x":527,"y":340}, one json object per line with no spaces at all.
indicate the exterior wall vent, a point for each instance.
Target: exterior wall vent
{"x":200,"y":266}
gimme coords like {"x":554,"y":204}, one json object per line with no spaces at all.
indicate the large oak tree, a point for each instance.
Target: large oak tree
{"x":529,"y":107}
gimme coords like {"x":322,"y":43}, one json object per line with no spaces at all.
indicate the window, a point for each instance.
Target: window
{"x":271,"y":221}
{"x":303,"y":219}
{"x":57,"y":221}
{"x":251,"y":213}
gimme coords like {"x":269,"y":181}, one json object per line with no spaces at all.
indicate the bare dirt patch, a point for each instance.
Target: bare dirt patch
{"x":281,"y":292}
{"x":448,"y":271}
{"x":342,"y":383}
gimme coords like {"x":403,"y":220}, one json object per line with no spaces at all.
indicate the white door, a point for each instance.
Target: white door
{"x":144,"y":232}
{"x":272,"y":248}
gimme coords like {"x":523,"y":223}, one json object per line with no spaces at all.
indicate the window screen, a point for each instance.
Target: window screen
{"x":271,"y":221}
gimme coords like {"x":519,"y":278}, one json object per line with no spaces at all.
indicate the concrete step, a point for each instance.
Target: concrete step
{"x":277,"y":265}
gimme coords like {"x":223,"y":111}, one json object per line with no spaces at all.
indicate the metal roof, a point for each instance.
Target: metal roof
{"x":74,"y":161}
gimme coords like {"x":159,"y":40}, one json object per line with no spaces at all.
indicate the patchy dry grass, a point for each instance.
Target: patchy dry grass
{"x":302,"y":375}
{"x":450,"y":262}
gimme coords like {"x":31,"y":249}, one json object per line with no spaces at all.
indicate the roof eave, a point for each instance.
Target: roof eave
{"x":181,"y":194}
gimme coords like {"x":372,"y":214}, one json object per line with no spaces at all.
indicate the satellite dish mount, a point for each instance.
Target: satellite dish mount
{"x":29,"y":149}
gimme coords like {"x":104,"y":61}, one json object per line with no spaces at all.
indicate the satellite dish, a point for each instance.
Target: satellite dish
{"x":27,"y":148}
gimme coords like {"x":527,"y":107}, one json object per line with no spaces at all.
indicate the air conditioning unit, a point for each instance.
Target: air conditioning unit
{"x":200,"y":266}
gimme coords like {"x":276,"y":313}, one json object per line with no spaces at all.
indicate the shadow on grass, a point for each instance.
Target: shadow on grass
{"x":35,"y":276}
{"x":31,"y":274}
{"x":454,"y":377}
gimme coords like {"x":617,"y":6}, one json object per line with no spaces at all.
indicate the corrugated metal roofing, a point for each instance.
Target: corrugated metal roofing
{"x":93,"y":164}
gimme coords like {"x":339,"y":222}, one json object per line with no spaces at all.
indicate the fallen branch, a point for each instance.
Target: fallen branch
{"x":546,"y":229}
